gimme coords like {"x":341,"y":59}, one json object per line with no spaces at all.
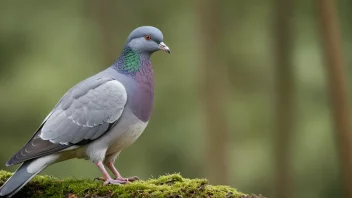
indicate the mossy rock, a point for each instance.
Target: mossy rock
{"x":173,"y":185}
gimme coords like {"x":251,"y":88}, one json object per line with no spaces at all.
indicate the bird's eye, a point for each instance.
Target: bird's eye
{"x":148,"y":37}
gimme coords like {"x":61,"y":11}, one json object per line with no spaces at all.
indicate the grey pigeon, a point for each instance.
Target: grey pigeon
{"x":98,"y":117}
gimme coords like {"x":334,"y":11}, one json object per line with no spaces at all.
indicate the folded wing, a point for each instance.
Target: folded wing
{"x":85,"y":113}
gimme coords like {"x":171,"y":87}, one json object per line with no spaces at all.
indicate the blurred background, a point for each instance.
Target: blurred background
{"x":243,"y":100}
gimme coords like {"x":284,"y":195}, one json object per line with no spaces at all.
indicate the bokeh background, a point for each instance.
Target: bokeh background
{"x":243,"y":99}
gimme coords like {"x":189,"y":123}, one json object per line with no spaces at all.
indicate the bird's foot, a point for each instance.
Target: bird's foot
{"x":118,"y":180}
{"x":99,"y":178}
{"x":128,"y":179}
{"x":115,"y":182}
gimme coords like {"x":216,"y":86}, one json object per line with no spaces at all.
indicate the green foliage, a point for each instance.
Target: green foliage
{"x":173,"y":185}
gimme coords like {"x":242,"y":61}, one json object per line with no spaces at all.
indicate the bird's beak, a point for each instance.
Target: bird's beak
{"x":164,"y":47}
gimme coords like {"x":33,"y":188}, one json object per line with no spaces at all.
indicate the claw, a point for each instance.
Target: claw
{"x":132,"y":179}
{"x":99,"y":179}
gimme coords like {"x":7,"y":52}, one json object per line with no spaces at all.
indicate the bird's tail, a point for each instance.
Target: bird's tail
{"x":20,"y":178}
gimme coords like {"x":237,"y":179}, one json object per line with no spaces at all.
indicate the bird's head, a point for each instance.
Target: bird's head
{"x":146,"y":39}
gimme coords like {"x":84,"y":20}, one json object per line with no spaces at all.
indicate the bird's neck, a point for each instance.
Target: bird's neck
{"x":138,"y":67}
{"x":131,"y":62}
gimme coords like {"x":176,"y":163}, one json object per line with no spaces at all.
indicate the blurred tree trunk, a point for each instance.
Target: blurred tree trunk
{"x":103,"y":12}
{"x":283,"y":29}
{"x":214,"y":90}
{"x":337,"y":85}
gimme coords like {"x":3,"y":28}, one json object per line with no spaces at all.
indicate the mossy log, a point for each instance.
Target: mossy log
{"x":173,"y":185}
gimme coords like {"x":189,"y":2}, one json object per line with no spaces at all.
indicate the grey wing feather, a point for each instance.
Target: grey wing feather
{"x":82,"y":115}
{"x":86,"y":113}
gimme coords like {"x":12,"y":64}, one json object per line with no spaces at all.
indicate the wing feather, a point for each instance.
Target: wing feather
{"x":83,"y":114}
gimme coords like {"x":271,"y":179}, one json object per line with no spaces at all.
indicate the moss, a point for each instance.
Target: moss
{"x":173,"y":185}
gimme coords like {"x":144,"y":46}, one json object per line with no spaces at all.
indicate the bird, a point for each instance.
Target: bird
{"x":97,"y":118}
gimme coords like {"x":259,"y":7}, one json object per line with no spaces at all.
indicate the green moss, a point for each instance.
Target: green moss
{"x":173,"y":185}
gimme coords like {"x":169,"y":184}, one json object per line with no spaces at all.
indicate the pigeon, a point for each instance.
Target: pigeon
{"x":98,"y":117}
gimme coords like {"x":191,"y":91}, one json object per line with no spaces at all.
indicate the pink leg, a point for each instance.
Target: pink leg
{"x":111,"y":166}
{"x":107,"y":177}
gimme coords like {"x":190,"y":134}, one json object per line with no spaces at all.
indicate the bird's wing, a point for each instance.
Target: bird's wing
{"x":83,"y":114}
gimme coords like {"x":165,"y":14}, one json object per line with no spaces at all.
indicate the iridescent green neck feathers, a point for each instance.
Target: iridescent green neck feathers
{"x":130,"y":61}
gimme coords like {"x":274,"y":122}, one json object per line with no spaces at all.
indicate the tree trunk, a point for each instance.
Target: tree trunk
{"x":214,"y":91}
{"x":337,"y":85}
{"x":284,"y":95}
{"x":102,"y":12}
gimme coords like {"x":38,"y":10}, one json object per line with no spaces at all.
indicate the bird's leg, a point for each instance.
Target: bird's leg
{"x":118,"y":176}
{"x":108,"y":179}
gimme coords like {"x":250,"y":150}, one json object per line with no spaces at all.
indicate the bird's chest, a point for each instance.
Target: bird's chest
{"x":122,"y":139}
{"x":142,"y":99}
